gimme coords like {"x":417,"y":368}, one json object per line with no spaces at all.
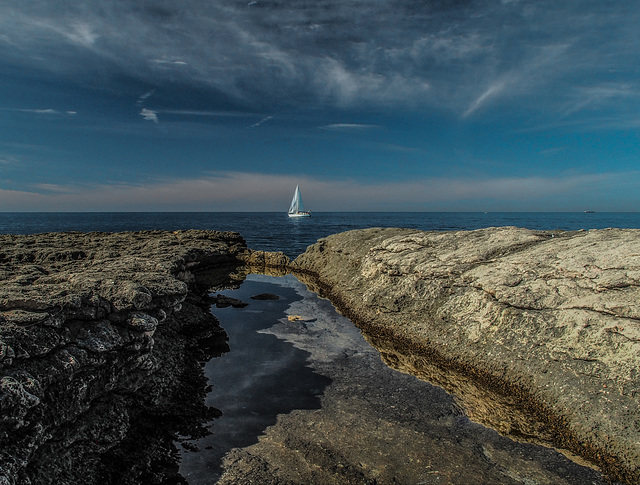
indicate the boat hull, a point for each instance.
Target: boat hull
{"x":299,"y":214}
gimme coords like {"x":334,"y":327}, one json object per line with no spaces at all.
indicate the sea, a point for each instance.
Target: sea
{"x":275,"y":231}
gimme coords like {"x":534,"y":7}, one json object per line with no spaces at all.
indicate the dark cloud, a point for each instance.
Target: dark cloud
{"x":460,"y":56}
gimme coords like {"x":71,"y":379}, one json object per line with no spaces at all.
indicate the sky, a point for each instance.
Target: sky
{"x":368,"y":105}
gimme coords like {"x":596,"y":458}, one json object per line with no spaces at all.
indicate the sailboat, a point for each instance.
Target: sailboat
{"x":297,"y":207}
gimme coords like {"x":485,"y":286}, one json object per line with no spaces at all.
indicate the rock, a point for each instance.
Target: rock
{"x":538,"y":333}
{"x":265,"y":259}
{"x":15,"y":395}
{"x":300,"y":318}
{"x":101,"y":342}
{"x":141,"y":322}
{"x":222,"y":301}
{"x":265,"y":296}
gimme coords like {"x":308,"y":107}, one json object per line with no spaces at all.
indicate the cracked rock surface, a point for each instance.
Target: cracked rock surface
{"x":101,"y":341}
{"x":537,"y":333}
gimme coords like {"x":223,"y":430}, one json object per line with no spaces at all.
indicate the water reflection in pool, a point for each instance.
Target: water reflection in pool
{"x":326,"y":409}
{"x":261,"y":377}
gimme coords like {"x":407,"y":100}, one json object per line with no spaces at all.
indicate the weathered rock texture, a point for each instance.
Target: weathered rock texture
{"x":538,"y":333}
{"x":101,"y":342}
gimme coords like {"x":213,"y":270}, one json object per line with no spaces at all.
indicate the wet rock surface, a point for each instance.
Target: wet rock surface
{"x":537,"y":333}
{"x":223,"y":301}
{"x":373,"y":425}
{"x":102,"y":341}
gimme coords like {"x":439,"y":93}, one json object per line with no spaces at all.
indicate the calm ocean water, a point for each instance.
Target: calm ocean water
{"x":274,"y":231}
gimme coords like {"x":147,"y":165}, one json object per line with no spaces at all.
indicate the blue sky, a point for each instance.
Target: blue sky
{"x":369,"y":105}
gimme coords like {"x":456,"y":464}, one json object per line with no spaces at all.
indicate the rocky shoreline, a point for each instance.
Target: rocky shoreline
{"x":537,"y":333}
{"x":102,"y":340}
{"x":103,"y":336}
{"x":368,"y":424}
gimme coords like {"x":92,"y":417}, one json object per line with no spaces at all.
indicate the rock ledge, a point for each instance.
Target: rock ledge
{"x":538,"y":333}
{"x":100,"y":341}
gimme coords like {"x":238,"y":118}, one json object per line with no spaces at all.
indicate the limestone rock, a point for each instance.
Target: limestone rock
{"x":548,"y":320}
{"x":265,"y":259}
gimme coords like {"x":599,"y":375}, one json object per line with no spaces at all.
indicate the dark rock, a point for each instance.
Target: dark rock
{"x":223,"y":301}
{"x":142,"y":322}
{"x":265,"y":296}
{"x":102,"y":337}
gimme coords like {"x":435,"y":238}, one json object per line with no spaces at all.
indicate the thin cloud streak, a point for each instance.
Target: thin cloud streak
{"x":170,"y":62}
{"x":149,"y":115}
{"x":349,"y":127}
{"x":41,"y":111}
{"x":263,"y":120}
{"x":221,"y":114}
{"x":144,"y":97}
{"x":537,"y":70}
{"x":8,"y":160}
{"x":493,"y":91}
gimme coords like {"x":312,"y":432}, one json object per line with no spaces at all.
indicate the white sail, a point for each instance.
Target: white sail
{"x":296,"y":202}
{"x":297,"y":207}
